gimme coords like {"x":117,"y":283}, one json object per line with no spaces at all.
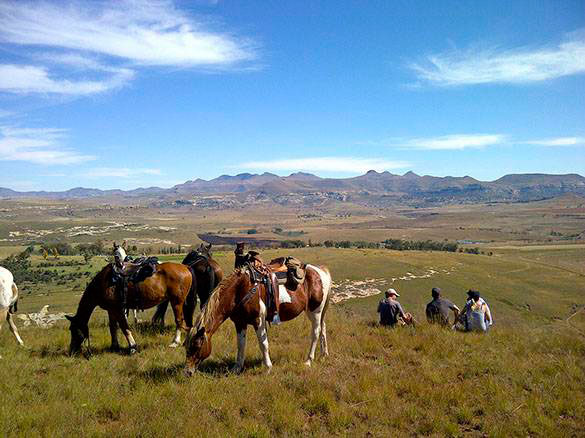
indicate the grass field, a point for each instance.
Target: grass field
{"x":525,"y":378}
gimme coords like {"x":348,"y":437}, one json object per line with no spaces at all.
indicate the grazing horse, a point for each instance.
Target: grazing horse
{"x":8,"y":301}
{"x":208,"y":274}
{"x":241,"y":297}
{"x":170,"y":281}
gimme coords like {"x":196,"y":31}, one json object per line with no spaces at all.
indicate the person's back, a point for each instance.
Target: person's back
{"x":390,"y":310}
{"x":477,"y":314}
{"x":438,"y":311}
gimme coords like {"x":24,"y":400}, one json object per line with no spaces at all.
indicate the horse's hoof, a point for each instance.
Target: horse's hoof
{"x":133,"y":350}
{"x":174,"y":345}
{"x":269,"y":370}
{"x":236,"y":369}
{"x":308,"y":363}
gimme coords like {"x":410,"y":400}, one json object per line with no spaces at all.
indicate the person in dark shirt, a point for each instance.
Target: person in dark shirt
{"x":438,"y":309}
{"x":390,"y":310}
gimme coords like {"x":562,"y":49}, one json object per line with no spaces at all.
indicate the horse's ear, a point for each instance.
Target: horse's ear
{"x":115,"y":245}
{"x":208,"y":247}
{"x":124,"y":244}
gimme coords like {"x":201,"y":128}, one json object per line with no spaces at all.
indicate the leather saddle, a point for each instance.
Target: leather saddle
{"x":288,"y":269}
{"x":132,"y":272}
{"x":263,"y":274}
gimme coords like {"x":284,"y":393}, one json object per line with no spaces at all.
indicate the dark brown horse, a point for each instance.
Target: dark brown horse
{"x":241,"y":298}
{"x":208,"y":274}
{"x":170,"y":281}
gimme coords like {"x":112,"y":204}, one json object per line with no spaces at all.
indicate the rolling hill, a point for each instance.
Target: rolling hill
{"x":372,"y":188}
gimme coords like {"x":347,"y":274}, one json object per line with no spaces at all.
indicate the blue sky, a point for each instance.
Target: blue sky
{"x":122,"y":94}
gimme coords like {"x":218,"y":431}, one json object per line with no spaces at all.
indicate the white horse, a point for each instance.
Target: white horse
{"x":8,"y":300}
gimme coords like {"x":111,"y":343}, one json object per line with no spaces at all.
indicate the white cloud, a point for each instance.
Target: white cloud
{"x":144,"y":32}
{"x":352,"y":165}
{"x":39,"y":146}
{"x":120,"y":172}
{"x":453,"y":142}
{"x":32,"y":79}
{"x":560,"y":141}
{"x":520,"y":65}
{"x":78,"y":48}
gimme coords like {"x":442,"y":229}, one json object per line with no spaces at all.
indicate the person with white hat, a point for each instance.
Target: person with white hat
{"x":390,"y":310}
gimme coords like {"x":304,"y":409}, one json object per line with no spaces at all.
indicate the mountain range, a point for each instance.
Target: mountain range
{"x":372,"y":188}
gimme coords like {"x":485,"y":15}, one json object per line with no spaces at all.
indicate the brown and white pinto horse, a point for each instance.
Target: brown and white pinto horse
{"x":170,"y":281}
{"x":243,"y":301}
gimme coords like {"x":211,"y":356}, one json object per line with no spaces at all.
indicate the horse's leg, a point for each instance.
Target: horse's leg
{"x":315,"y":318}
{"x":179,"y":322}
{"x":3,"y":313}
{"x":189,"y":310}
{"x":262,"y":335}
{"x":323,"y":338}
{"x":113,"y":323}
{"x":123,"y":322}
{"x":241,"y":333}
{"x":13,"y":328}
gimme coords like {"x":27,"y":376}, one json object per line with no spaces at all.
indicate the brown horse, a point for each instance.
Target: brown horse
{"x":241,"y":297}
{"x":208,"y":274}
{"x":170,"y":281}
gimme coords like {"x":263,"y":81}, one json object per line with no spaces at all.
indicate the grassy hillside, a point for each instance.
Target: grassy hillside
{"x":526,"y":377}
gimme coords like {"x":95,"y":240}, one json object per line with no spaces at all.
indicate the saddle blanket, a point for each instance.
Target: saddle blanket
{"x":283,"y":295}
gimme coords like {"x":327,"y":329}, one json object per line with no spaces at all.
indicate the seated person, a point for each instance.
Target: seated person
{"x":476,"y":313}
{"x":438,"y":310}
{"x":391,"y":312}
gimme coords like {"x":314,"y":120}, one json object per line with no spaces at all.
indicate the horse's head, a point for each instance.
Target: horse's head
{"x":194,"y":254}
{"x":198,"y":347}
{"x":79,"y":333}
{"x":204,"y":250}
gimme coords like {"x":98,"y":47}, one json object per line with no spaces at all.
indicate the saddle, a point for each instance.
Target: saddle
{"x":132,"y":272}
{"x":263,"y":274}
{"x":289,"y":269}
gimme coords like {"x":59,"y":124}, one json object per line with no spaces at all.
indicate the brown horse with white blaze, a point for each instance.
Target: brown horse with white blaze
{"x":170,"y":281}
{"x":242,"y":299}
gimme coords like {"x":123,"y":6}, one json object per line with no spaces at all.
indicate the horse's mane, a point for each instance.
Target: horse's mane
{"x":209,"y":311}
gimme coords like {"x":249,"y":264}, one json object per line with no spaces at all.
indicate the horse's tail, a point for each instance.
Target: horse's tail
{"x":159,"y":315}
{"x":191,"y":300}
{"x":326,"y":290}
{"x":14,"y":306}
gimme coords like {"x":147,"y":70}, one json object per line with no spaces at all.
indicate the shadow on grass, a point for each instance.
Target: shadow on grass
{"x":147,"y":328}
{"x":209,"y":368}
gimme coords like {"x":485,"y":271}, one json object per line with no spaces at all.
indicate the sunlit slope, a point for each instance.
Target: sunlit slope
{"x":526,"y":377}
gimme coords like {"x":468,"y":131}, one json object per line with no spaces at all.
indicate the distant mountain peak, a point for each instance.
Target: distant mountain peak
{"x":410,"y":174}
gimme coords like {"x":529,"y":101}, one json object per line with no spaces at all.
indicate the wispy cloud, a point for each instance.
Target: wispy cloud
{"x":350,"y":165}
{"x":120,"y":172}
{"x":145,"y":32}
{"x":559,"y":141}
{"x":37,"y":145}
{"x":31,"y":79}
{"x":497,"y":65}
{"x":87,"y":48}
{"x":450,"y":142}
